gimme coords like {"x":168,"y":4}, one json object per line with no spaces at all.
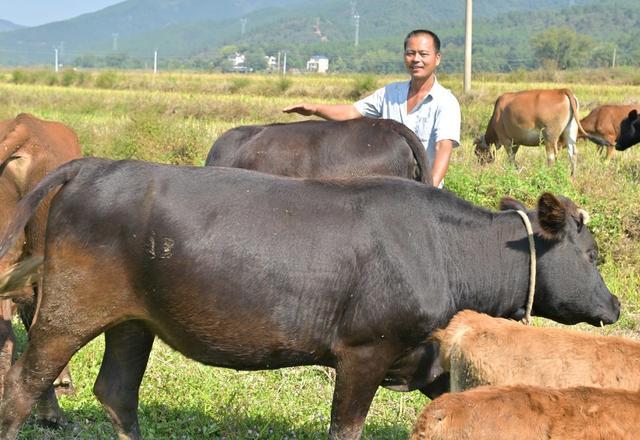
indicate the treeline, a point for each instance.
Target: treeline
{"x":591,"y":35}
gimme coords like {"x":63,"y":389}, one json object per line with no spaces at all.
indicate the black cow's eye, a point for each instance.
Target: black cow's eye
{"x":593,"y":256}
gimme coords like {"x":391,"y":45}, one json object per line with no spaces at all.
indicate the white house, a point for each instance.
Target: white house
{"x":237,"y":59}
{"x":318,"y":63}
{"x":271,"y":61}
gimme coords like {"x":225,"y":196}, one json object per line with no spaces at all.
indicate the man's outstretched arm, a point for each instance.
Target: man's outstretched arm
{"x":333,"y":112}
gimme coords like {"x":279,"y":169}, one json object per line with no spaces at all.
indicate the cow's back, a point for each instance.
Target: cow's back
{"x":505,"y":413}
{"x":482,"y":350}
{"x":324,"y":149}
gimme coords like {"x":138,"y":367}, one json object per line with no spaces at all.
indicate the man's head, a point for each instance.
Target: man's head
{"x":421,"y":53}
{"x":434,"y":37}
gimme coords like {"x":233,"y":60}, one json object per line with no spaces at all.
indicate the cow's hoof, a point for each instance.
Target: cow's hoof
{"x":51,"y":421}
{"x":65,"y":389}
{"x":63,"y":384}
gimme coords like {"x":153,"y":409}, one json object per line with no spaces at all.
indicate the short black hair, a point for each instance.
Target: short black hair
{"x":436,"y":40}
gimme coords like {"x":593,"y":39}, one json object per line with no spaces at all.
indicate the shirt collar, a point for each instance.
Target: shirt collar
{"x":436,"y":89}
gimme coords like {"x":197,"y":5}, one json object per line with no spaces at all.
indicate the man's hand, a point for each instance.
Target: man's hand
{"x":303,"y":109}
{"x":332,"y":112}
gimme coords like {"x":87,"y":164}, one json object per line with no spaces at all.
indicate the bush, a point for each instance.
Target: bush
{"x":20,"y":77}
{"x":107,"y":80}
{"x":363,"y":85}
{"x":68,"y":77}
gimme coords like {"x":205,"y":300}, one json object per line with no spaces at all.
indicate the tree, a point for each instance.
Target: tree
{"x":561,"y":47}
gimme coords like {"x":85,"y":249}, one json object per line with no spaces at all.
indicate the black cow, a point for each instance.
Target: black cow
{"x":249,"y":271}
{"x":629,"y":131}
{"x":318,"y":149}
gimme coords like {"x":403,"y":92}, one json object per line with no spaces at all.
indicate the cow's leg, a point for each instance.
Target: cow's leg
{"x":571,"y":138}
{"x":610,"y":149}
{"x":551,"y":148}
{"x":32,"y":376}
{"x":26,"y":310}
{"x":127,"y":348}
{"x":511,"y":149}
{"x":7,"y":340}
{"x":358,"y":374}
{"x":573,"y":157}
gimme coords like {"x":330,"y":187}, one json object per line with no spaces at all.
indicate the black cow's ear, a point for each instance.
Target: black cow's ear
{"x":509,"y":203}
{"x":633,"y":114}
{"x":552,"y":215}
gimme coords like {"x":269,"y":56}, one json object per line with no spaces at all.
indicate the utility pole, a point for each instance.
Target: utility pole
{"x":613,"y":59}
{"x":243,"y":25}
{"x":55,"y":62}
{"x":284,"y":64}
{"x":155,"y":61}
{"x":356,"y":18}
{"x":61,"y":57}
{"x":278,"y":64}
{"x":114,"y":46}
{"x":467,"y":46}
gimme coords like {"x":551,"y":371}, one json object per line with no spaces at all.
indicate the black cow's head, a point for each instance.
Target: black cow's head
{"x":629,"y":131}
{"x":569,"y":288}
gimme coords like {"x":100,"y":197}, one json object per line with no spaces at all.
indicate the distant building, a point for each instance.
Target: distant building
{"x":271,"y":61}
{"x":318,"y":63}
{"x":237,"y":59}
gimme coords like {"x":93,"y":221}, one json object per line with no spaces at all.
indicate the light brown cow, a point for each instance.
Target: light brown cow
{"x":29,"y":149}
{"x":604,"y":121}
{"x":531,"y":117}
{"x":531,"y":413}
{"x":477,"y":350}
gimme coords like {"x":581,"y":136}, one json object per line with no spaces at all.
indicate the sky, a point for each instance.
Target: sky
{"x":36,"y":12}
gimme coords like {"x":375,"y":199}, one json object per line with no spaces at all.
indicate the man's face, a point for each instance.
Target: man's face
{"x":421,"y":57}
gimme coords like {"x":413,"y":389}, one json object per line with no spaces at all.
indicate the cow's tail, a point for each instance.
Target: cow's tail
{"x":11,"y":142}
{"x":573,"y":102}
{"x":20,"y":275}
{"x":419,"y":153}
{"x":24,"y":210}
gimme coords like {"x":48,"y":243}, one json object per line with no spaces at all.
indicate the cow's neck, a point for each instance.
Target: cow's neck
{"x":490,"y":135}
{"x":492,"y":274}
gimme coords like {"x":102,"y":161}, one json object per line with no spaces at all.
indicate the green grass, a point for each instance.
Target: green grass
{"x":175,"y":117}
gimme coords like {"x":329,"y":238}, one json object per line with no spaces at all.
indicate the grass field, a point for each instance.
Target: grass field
{"x":175,"y":117}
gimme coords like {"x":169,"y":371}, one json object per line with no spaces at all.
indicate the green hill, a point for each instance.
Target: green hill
{"x":201,"y":34}
{"x":7,"y":26}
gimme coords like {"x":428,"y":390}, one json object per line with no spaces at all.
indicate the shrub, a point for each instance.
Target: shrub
{"x":363,"y":85}
{"x":19,"y":77}
{"x":68,"y":77}
{"x":107,"y":80}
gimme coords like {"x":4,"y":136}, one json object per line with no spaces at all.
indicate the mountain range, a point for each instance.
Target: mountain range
{"x":6,"y":26}
{"x":201,"y":32}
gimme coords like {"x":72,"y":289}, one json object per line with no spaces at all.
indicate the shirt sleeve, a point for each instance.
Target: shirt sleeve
{"x":447,"y":123}
{"x":371,"y":106}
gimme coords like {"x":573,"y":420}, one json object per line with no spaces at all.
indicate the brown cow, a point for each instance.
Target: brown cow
{"x":480,"y":350}
{"x":531,"y":413}
{"x":532,"y":116}
{"x":604,"y":121}
{"x":29,"y":149}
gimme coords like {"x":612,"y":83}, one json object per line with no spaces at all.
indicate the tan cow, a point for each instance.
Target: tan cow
{"x":531,"y":413}
{"x":604,"y":121}
{"x":29,"y":149}
{"x":531,"y":117}
{"x":478,"y":349}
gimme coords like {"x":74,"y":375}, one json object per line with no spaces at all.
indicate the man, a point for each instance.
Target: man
{"x":422,"y":104}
